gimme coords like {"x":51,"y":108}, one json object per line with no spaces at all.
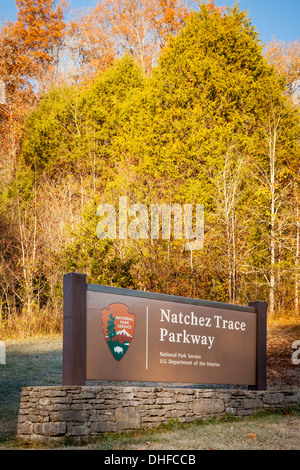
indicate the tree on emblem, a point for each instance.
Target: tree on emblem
{"x":111,"y":332}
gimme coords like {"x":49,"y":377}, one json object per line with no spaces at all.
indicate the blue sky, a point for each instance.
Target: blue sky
{"x":272,"y":18}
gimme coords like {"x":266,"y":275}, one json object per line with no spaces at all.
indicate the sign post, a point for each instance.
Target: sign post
{"x":261,"y":353}
{"x":122,"y":334}
{"x":74,"y":329}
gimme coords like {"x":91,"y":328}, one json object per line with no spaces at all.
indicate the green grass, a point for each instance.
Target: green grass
{"x":38,"y":361}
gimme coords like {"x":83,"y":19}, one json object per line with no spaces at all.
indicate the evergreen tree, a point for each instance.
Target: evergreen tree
{"x":110,"y":331}
{"x":201,"y":134}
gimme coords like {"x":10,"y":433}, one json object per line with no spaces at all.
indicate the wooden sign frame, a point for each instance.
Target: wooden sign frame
{"x":75,"y":291}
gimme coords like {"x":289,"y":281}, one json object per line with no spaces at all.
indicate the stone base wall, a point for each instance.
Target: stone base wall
{"x":52,"y":413}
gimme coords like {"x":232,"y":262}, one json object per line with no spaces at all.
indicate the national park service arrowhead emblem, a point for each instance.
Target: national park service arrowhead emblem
{"x":118,"y":328}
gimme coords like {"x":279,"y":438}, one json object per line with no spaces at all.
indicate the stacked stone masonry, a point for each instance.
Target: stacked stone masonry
{"x":52,"y":413}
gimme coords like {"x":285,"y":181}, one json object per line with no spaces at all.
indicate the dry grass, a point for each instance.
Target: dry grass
{"x":267,"y":431}
{"x":21,"y":326}
{"x":282,"y":332}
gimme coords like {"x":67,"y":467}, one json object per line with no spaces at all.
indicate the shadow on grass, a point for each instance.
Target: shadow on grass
{"x":34,"y":362}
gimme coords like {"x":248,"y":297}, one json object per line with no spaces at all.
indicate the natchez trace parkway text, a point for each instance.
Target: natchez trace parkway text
{"x":193,"y":320}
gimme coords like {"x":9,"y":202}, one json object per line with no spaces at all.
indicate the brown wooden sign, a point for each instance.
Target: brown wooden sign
{"x":130,"y":335}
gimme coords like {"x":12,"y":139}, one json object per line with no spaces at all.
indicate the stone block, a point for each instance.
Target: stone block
{"x":24,"y":428}
{"x":59,"y":407}
{"x":36,"y":418}
{"x":126,"y":396}
{"x":156,"y":412}
{"x":175,"y":413}
{"x":53,"y":429}
{"x":208,"y":406}
{"x":103,"y":426}
{"x":81,"y":430}
{"x":251,"y":403}
{"x":127,"y":418}
{"x":81,"y":406}
{"x":154,"y":419}
{"x":184,"y":398}
{"x":274,"y":398}
{"x":164,"y":401}
{"x":74,"y":416}
{"x":45,"y":401}
{"x":292,"y":399}
{"x":55,"y":393}
{"x":187,"y":391}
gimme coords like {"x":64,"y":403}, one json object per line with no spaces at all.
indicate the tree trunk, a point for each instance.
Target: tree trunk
{"x":272,"y":158}
{"x":297,"y":259}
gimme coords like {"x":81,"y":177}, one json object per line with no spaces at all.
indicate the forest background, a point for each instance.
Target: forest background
{"x":161,"y":102}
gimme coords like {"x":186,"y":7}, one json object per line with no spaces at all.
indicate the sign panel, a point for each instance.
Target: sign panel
{"x":139,"y":336}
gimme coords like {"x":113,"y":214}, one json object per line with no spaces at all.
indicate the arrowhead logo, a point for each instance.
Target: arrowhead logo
{"x":118,"y":328}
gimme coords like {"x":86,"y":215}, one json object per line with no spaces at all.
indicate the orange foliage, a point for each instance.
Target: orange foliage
{"x":168,"y":16}
{"x":39,"y":30}
{"x":213,"y":8}
{"x":28,"y":48}
{"x":30,"y":44}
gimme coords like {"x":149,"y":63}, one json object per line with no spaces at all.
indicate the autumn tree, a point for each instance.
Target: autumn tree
{"x":139,"y":28}
{"x":285,"y":57}
{"x":40,"y":29}
{"x":29,"y":49}
{"x":31,"y":44}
